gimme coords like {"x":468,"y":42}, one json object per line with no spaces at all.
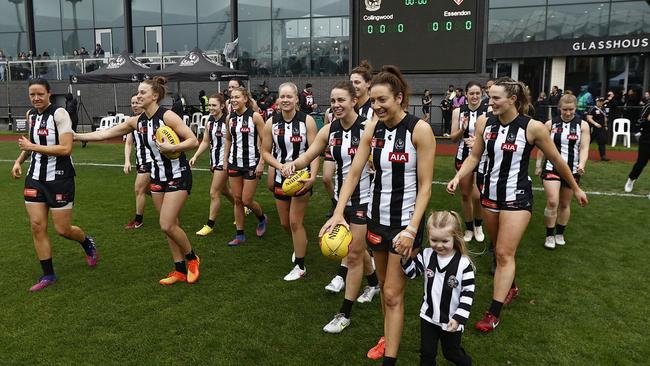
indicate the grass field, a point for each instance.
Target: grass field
{"x":582,"y":304}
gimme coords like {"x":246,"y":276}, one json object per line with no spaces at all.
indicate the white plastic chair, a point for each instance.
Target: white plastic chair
{"x":119,"y":118}
{"x":196,"y":120}
{"x":621,"y":127}
{"x":106,"y":122}
{"x":202,"y":124}
{"x":186,"y":119}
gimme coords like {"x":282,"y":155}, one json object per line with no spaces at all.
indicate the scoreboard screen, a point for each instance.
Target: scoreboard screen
{"x":420,"y":36}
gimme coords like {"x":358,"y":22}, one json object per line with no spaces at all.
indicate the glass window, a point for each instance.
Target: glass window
{"x":75,"y":39}
{"x":12,"y":43}
{"x":138,"y":40}
{"x":291,"y":47}
{"x":255,"y":47}
{"x":118,"y":41}
{"x":584,"y":72}
{"x":254,"y":9}
{"x":214,"y":11}
{"x":77,"y":14}
{"x":630,"y":17}
{"x":576,"y":21}
{"x":330,"y":46}
{"x":562,"y":2}
{"x":213,"y":36}
{"x":109,"y":13}
{"x":47,"y":15}
{"x":324,"y":8}
{"x":12,"y":16}
{"x":510,"y":3}
{"x":516,"y":25}
{"x":50,"y":42}
{"x":283,"y":9}
{"x":146,"y":12}
{"x":179,"y":12}
{"x":179,"y":38}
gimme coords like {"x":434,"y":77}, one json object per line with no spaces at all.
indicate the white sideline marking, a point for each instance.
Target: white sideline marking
{"x":436,"y":182}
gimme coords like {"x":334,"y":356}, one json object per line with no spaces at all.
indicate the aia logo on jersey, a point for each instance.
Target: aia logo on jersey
{"x":572,"y":137}
{"x":295,"y":139}
{"x":508,"y":146}
{"x":352,"y":151}
{"x":336,"y":142}
{"x":278,"y":132}
{"x":244,"y":129}
{"x":398,"y":157}
{"x":377,"y":143}
{"x":490,"y":135}
{"x":42,"y":132}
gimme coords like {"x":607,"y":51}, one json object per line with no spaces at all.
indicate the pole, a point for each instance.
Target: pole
{"x":115,"y":97}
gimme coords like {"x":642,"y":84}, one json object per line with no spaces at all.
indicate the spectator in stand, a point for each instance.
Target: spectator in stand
{"x":459,"y":99}
{"x":597,"y":119}
{"x":30,"y":55}
{"x":99,"y":51}
{"x":177,"y":105}
{"x":554,"y":99}
{"x":445,"y":105}
{"x":426,"y":105}
{"x":646,"y":97}
{"x":452,"y":91}
{"x":585,"y":101}
{"x":83,"y":51}
{"x":541,"y":107}
{"x":75,"y":53}
{"x":307,"y":102}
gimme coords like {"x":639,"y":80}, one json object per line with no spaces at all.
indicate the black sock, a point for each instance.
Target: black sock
{"x":86,"y":245}
{"x":48,"y":267}
{"x":372,"y":279}
{"x":138,"y":218}
{"x":210,"y":223}
{"x":469,"y":225}
{"x":514,"y":284}
{"x":300,"y":262}
{"x":559,"y":229}
{"x":261,"y":218}
{"x":343,"y":271}
{"x":495,"y":308}
{"x":190,"y":256}
{"x":478,"y":222}
{"x":240,"y":232}
{"x":550,"y":231}
{"x":346,"y":308}
{"x":389,"y":361}
{"x":180,"y":267}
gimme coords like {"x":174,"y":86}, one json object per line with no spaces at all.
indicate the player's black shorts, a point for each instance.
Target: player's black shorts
{"x":328,"y":155}
{"x":178,"y":184}
{"x":143,"y":168}
{"x":213,"y":168}
{"x":380,"y":237}
{"x":525,"y":203}
{"x":459,"y":164}
{"x":56,"y":194}
{"x":553,"y":175}
{"x":246,"y":173}
{"x":279,"y":194}
{"x":356,"y":214}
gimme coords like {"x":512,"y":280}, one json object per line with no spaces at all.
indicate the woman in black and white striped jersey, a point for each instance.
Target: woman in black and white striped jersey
{"x":143,"y":161}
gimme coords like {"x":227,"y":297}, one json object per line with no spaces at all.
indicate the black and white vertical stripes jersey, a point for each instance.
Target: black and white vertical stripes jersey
{"x":394,"y":188}
{"x":163,"y":169}
{"x":45,"y":129}
{"x":289,"y":139}
{"x":217,"y":130}
{"x":567,"y":137}
{"x":343,"y":145}
{"x":508,"y":154}
{"x":142,"y":154}
{"x":482,"y":165}
{"x":366,"y":110}
{"x":472,"y":115}
{"x":244,"y":150}
{"x":448,"y":286}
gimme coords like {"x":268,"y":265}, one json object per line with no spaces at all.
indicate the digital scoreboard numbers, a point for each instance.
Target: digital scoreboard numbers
{"x":420,"y":36}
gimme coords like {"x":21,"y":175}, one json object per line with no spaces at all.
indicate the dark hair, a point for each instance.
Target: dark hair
{"x":347,"y":86}
{"x":517,"y":88}
{"x":471,"y":84}
{"x":134,"y":94}
{"x":391,"y":76}
{"x":364,"y":69}
{"x":39,"y":81}
{"x":239,"y":82}
{"x":157,"y":84}
{"x":222,"y":101}
{"x":246,"y":93}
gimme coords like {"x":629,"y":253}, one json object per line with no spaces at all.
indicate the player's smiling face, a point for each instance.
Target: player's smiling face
{"x":341,"y":103}
{"x":287,"y":98}
{"x":442,"y":241}
{"x":499,"y":100}
{"x":146,"y":96}
{"x":384,"y":103}
{"x":39,"y":96}
{"x":474,"y":95}
{"x":360,"y":85}
{"x":214,"y":106}
{"x":237,"y":100}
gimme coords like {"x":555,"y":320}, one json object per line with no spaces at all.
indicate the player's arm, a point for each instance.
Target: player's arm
{"x":413,"y":266}
{"x":128,"y":145}
{"x":203,"y":146}
{"x":187,"y":137}
{"x":467,"y":287}
{"x":259,"y":125}
{"x":119,"y":130}
{"x":457,"y":126}
{"x":310,"y":123}
{"x":227,"y":144}
{"x":540,"y":154}
{"x":474,"y":157}
{"x":267,"y":145}
{"x":316,"y":147}
{"x":584,"y":147}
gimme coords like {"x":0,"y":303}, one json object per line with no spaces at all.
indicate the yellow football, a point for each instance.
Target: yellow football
{"x":165,"y":133}
{"x":335,"y":244}
{"x":293,"y":183}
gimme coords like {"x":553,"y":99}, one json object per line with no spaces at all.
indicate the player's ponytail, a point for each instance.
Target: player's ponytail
{"x":391,"y":75}
{"x":158,"y":86}
{"x":519,"y":89}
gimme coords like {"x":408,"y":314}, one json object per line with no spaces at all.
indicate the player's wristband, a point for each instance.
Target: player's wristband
{"x":411,"y":230}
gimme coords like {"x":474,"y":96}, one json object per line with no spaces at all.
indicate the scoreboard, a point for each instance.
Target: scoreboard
{"x":420,"y":36}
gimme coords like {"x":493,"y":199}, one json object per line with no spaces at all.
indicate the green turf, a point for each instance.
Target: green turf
{"x":582,"y":304}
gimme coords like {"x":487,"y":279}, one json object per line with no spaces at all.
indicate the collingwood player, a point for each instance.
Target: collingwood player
{"x":143,"y":161}
{"x":49,"y":182}
{"x":508,"y":136}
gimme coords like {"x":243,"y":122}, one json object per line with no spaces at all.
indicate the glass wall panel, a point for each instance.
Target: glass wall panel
{"x":630,"y":17}
{"x":584,"y":72}
{"x":291,"y":47}
{"x":563,"y":2}
{"x":50,"y":42}
{"x":616,"y":74}
{"x":75,"y":39}
{"x":179,"y":38}
{"x":576,"y":21}
{"x":118,"y":40}
{"x":254,"y":9}
{"x":12,"y":43}
{"x":283,"y":9}
{"x":324,"y":8}
{"x":213,"y":36}
{"x":109,"y":13}
{"x":146,"y":12}
{"x":12,"y":16}
{"x":330,"y":46}
{"x":138,"y":40}
{"x":214,"y":11}
{"x":77,"y":14}
{"x":510,"y":3}
{"x":179,"y":12}
{"x":47,"y":15}
{"x":255,"y":47}
{"x":516,"y":25}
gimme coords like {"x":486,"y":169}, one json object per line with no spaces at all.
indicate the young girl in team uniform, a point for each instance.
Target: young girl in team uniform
{"x":245,"y":165}
{"x":214,"y":139}
{"x":570,"y":134}
{"x":508,"y":136}
{"x":143,"y":161}
{"x":49,"y":183}
{"x":403,"y":150}
{"x":448,"y":289}
{"x":463,"y":131}
{"x":171,"y":178}
{"x":287,"y":135}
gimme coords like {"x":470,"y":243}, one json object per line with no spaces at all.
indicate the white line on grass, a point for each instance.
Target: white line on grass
{"x":436,"y":182}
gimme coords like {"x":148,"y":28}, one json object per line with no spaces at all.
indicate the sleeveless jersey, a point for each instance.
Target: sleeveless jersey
{"x":394,"y":187}
{"x":289,"y":139}
{"x":482,"y":165}
{"x":43,"y":130}
{"x":244,"y":152}
{"x":217,"y":130}
{"x":142,"y":154}
{"x":465,"y":111}
{"x":366,"y":110}
{"x":508,"y":153}
{"x":162,"y":168}
{"x":343,"y":146}
{"x":567,"y":137}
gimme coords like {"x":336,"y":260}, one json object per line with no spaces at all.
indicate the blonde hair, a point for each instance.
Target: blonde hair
{"x":517,"y":88}
{"x":246,"y":94}
{"x":567,"y":99}
{"x":449,"y":220}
